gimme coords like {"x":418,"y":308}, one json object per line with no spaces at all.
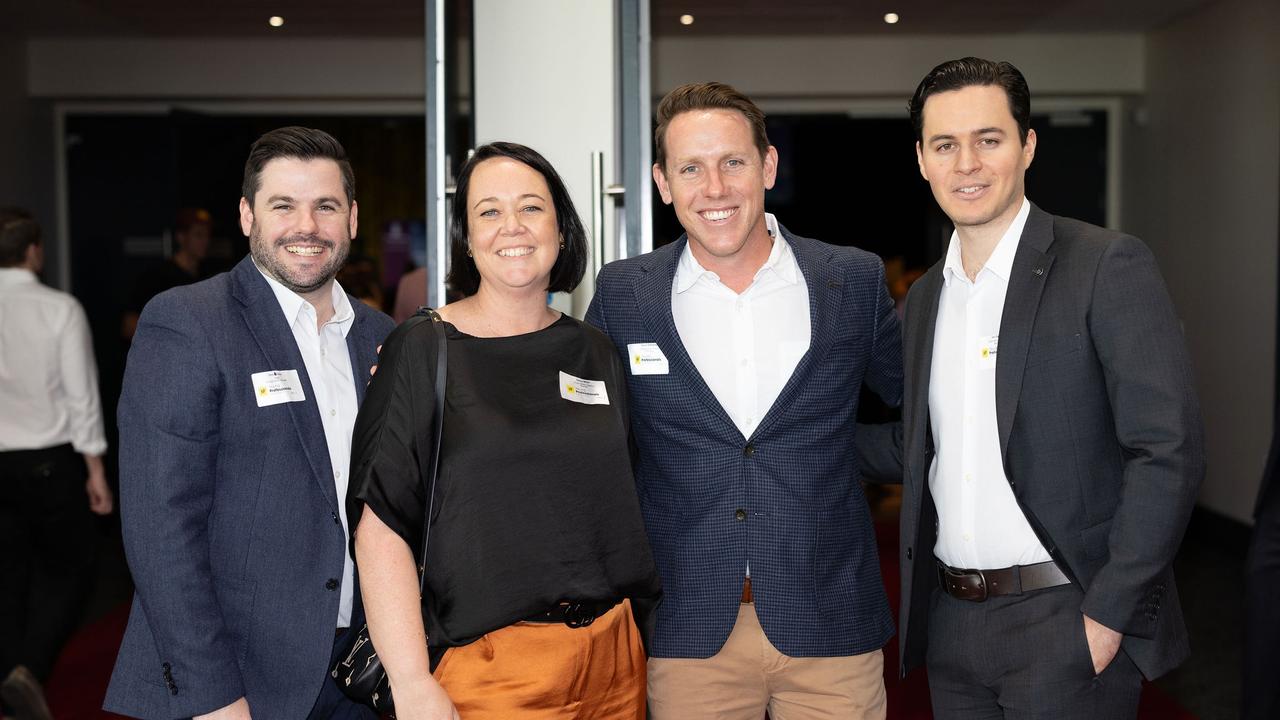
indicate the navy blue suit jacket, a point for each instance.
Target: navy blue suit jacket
{"x":229,"y":510}
{"x":804,"y":525}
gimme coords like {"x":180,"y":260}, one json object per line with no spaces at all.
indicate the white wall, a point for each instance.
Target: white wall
{"x":547,"y":80}
{"x":148,"y":68}
{"x":848,"y":65}
{"x":1211,"y":172}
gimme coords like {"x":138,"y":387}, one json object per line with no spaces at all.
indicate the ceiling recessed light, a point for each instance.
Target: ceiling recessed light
{"x":686,"y":19}
{"x":275,"y":21}
{"x":891,"y":18}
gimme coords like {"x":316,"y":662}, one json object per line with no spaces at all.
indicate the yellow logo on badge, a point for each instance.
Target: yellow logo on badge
{"x":568,"y":388}
{"x":262,"y":391}
{"x":985,"y":352}
{"x":636,"y":360}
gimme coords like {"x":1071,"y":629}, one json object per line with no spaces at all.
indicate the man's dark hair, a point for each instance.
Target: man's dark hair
{"x":968,"y":72}
{"x":567,"y":271}
{"x":18,"y":231}
{"x":706,"y":96}
{"x":299,"y":143}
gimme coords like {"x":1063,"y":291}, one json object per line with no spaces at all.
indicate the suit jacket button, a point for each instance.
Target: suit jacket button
{"x":331,"y":584}
{"x":336,"y":521}
{"x":908,"y":553}
{"x":749,"y":450}
{"x":740,"y":514}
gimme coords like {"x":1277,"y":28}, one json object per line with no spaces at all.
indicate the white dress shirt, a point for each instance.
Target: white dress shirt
{"x":979,"y":522}
{"x":746,"y":345}
{"x":48,"y":377}
{"x":328,"y":363}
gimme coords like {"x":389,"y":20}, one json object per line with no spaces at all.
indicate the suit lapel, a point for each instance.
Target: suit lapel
{"x":1030,"y":269}
{"x":267,"y":324}
{"x":653,"y":301}
{"x":363,"y":352}
{"x":921,"y":324}
{"x":826,"y":296}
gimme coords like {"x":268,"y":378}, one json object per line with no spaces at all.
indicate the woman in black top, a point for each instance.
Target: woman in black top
{"x":538,"y":563}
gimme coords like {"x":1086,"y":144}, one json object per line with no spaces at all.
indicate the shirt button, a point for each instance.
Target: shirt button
{"x":337,"y":473}
{"x":738,"y":305}
{"x":967,"y":538}
{"x":968,"y":478}
{"x":745,"y":362}
{"x":740,"y":514}
{"x":322,"y":352}
{"x":332,"y":412}
{"x":751,"y":421}
{"x":331,"y":584}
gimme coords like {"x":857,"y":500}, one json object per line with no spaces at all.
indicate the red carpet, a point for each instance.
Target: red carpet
{"x":80,"y":678}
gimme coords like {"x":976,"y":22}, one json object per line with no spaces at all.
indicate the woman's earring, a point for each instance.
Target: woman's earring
{"x":561,"y":242}
{"x":469,"y":251}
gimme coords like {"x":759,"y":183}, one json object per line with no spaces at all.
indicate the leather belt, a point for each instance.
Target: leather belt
{"x":575,"y":613}
{"x":978,"y":585}
{"x":746,"y":592}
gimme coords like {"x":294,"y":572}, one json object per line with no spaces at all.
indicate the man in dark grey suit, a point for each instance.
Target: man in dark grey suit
{"x":239,"y":399}
{"x":1052,"y":449}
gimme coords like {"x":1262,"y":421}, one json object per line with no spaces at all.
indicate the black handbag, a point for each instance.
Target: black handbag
{"x":359,"y":673}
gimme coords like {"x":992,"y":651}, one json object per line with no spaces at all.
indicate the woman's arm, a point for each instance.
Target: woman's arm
{"x":389,"y":587}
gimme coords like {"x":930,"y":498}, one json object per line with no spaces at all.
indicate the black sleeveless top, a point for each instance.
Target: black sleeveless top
{"x":535,"y":502}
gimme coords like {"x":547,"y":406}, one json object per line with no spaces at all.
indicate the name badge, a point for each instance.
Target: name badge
{"x":647,"y":359}
{"x":987,"y":351}
{"x":277,"y":386}
{"x":587,"y":392}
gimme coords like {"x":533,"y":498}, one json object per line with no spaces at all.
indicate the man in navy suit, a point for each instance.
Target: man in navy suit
{"x":747,"y":348}
{"x":235,"y":430}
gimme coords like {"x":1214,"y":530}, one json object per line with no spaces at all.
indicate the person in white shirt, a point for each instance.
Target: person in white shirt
{"x":747,"y":347}
{"x":1051,"y":434}
{"x":51,"y":447}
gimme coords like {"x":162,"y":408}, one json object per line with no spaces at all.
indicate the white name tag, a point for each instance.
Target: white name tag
{"x":647,"y":359}
{"x":987,"y":351}
{"x":277,"y":386}
{"x":587,"y":392}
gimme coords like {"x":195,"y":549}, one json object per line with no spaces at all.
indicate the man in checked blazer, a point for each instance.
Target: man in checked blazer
{"x":1052,"y":448}
{"x":747,"y":347}
{"x":235,"y":433}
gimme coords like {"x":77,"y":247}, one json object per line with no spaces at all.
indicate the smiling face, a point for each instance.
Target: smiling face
{"x":971,"y":157}
{"x":511,"y":226}
{"x":715,"y":177}
{"x":300,"y":225}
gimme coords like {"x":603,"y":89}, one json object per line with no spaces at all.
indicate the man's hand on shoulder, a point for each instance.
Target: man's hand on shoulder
{"x":1104,"y":643}
{"x":238,"y":710}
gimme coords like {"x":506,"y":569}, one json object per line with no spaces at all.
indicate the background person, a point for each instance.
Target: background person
{"x":538,"y":526}
{"x":51,"y":447}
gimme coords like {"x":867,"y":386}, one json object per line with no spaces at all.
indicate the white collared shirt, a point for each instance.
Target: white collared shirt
{"x":48,"y":377}
{"x":746,"y":345}
{"x":979,"y":522}
{"x":328,"y":364}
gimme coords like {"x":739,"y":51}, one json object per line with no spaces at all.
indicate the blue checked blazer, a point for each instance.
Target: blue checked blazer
{"x":787,"y":499}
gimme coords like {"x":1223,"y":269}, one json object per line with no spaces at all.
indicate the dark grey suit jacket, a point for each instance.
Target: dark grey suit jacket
{"x":1099,"y":429}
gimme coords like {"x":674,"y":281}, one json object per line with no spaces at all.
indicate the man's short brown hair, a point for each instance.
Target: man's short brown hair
{"x":706,"y":96}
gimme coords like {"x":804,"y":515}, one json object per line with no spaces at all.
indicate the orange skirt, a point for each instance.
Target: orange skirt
{"x":533,"y":671}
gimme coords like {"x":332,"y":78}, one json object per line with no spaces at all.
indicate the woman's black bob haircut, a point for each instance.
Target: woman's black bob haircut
{"x":572,"y":261}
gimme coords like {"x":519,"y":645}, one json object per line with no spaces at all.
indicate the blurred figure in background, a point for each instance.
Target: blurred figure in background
{"x":411,"y":294}
{"x":51,"y":470}
{"x":192,"y":231}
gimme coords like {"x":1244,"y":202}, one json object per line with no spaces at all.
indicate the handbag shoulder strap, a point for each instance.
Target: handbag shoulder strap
{"x":437,"y":424}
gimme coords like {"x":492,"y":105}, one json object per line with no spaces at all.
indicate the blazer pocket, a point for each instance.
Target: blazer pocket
{"x":1046,"y":349}
{"x":1094,"y":539}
